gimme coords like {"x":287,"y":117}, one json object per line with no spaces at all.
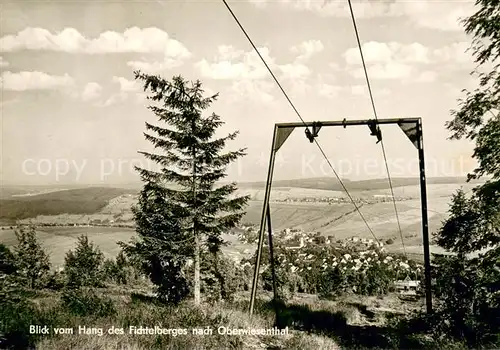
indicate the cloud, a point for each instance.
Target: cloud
{"x":116,"y":99}
{"x":225,"y":67}
{"x":359,"y":90}
{"x":129,"y":90}
{"x":126,"y":85}
{"x":335,"y":8}
{"x":295,"y":75}
{"x":121,"y":97}
{"x":228,"y":53}
{"x":394,"y":60}
{"x":379,"y":52}
{"x":294,"y":71}
{"x":362,"y":90}
{"x":234,"y":64}
{"x":69,"y":40}
{"x":91,"y":91}
{"x":3,"y":62}
{"x":327,"y":90}
{"x":155,"y":67}
{"x":24,"y":81}
{"x":307,"y":49}
{"x":440,"y":15}
{"x":245,"y":67}
{"x":258,"y":91}
{"x":427,"y":76}
{"x":391,"y":70}
{"x":300,"y":87}
{"x":457,"y":52}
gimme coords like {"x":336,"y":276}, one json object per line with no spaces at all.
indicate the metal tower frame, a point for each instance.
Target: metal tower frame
{"x":412,"y":127}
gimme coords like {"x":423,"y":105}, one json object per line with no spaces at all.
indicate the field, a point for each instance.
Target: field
{"x":85,"y":206}
{"x":57,"y":241}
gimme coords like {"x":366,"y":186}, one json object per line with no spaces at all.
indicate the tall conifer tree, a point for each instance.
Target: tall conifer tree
{"x":183,"y":209}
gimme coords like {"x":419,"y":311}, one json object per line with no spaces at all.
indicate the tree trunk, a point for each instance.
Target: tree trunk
{"x":197,"y":271}
{"x":197,"y":282}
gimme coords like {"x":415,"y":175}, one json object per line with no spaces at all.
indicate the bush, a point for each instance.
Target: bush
{"x":469,"y":295}
{"x":220,"y":279}
{"x":7,"y":260}
{"x":15,"y":318}
{"x":32,"y":263}
{"x":330,"y":284}
{"x":109,"y":270}
{"x":285,"y":282}
{"x":83,"y":266}
{"x":85,"y":302}
{"x":56,"y":280}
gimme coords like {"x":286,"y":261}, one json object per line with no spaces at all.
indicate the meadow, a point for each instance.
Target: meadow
{"x":107,"y":204}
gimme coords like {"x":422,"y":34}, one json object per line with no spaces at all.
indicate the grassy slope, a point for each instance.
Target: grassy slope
{"x":346,"y":323}
{"x":133,"y":308}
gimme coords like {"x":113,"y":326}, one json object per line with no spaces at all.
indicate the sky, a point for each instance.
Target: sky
{"x":71,"y":111}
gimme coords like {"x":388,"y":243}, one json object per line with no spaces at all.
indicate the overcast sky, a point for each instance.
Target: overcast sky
{"x":71,"y":111}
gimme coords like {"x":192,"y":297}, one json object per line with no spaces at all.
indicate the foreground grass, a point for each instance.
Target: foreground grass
{"x":116,"y":308}
{"x":312,"y":324}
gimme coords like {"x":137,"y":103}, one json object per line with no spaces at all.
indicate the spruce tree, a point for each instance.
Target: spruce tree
{"x":183,"y":208}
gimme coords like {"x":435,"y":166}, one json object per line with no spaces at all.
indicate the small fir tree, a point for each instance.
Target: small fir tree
{"x":182,"y":209}
{"x":84,"y":265}
{"x":33,"y":264}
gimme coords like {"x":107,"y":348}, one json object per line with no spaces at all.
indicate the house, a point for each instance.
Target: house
{"x":408,"y":288}
{"x":297,"y":247}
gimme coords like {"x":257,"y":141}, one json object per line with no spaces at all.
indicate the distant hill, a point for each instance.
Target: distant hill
{"x":332,"y":184}
{"x":75,"y":201}
{"x":21,"y":202}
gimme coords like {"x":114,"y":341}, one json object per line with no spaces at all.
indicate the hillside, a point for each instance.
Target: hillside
{"x":75,"y":201}
{"x":332,"y":184}
{"x":292,"y":207}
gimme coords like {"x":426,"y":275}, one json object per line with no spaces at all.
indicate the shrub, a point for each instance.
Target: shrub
{"x":7,"y":260}
{"x":330,"y":283}
{"x":118,"y":271}
{"x":469,"y":295}
{"x":56,"y":280}
{"x":109,"y":270}
{"x":83,"y":266}
{"x":220,"y":279}
{"x":15,"y":318}
{"x":85,"y":301}
{"x":32,"y":263}
{"x":285,"y":284}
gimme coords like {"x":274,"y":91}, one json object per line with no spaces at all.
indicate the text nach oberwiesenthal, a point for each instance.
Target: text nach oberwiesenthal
{"x":155,"y":330}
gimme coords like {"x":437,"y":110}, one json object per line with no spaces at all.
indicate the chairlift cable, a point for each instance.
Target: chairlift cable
{"x":300,"y":117}
{"x":376,"y":118}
